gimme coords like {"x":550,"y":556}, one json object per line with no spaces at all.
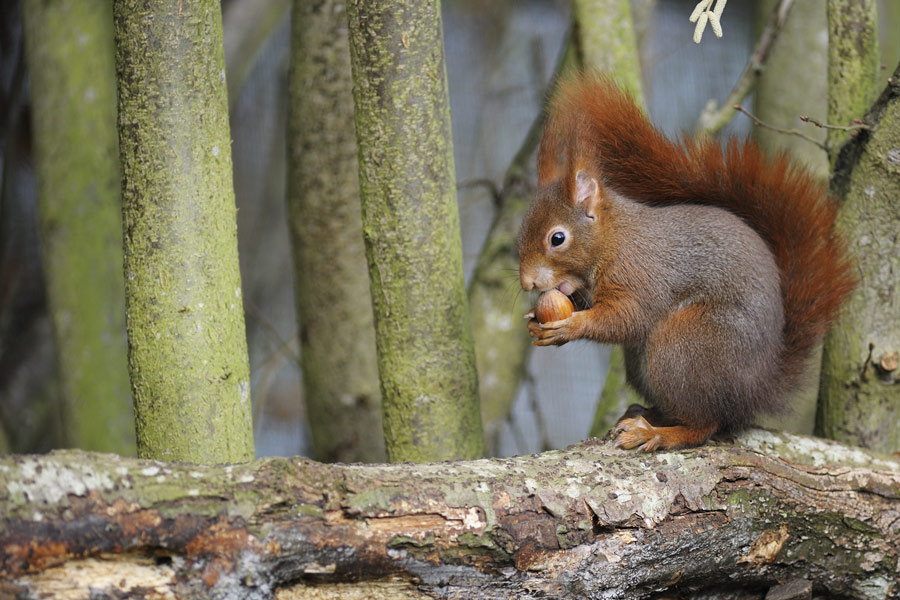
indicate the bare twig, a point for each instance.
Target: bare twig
{"x":796,"y":132}
{"x":713,"y":119}
{"x":856,"y":127}
{"x":857,"y":124}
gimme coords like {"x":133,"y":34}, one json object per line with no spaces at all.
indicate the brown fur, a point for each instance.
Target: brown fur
{"x":717,"y":315}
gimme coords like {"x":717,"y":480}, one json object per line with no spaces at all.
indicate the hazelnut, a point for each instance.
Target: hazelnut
{"x":553,"y":305}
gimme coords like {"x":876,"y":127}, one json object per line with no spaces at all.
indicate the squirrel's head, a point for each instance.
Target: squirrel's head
{"x":562,"y":234}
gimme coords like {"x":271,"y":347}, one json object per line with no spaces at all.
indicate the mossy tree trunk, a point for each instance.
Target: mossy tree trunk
{"x":853,"y":65}
{"x":606,"y":41}
{"x":71,"y":64}
{"x":426,"y":359}
{"x":860,"y":393}
{"x":334,"y":308}
{"x":184,"y":316}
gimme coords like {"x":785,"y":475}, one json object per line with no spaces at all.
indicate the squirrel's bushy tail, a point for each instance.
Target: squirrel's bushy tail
{"x":593,"y":123}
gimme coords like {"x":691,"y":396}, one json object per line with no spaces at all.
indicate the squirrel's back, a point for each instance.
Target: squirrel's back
{"x":593,"y":121}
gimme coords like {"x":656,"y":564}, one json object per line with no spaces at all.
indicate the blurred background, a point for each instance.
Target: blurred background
{"x":500,"y":56}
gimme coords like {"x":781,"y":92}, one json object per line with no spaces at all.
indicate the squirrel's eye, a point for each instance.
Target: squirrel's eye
{"x":557,"y":239}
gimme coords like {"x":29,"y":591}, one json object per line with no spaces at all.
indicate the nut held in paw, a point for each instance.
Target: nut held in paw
{"x":553,"y":305}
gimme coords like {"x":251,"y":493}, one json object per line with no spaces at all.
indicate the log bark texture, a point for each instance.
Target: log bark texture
{"x":590,"y":521}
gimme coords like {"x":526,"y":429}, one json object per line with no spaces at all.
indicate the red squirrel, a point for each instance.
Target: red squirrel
{"x":716,"y":268}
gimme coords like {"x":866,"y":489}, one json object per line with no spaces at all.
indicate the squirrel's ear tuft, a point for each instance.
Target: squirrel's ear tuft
{"x":587,"y":193}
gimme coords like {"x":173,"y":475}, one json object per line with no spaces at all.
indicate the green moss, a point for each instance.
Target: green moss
{"x":402,"y":541}
{"x":853,"y":65}
{"x":310,"y":510}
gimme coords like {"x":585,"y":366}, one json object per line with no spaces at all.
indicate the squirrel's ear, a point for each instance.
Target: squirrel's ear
{"x":587,"y":193}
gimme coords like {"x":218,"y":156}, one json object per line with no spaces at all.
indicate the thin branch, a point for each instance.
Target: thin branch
{"x":796,"y":132}
{"x":713,"y":119}
{"x":856,"y":127}
{"x":857,"y":124}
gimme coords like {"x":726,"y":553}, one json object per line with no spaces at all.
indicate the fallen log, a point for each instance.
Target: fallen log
{"x":591,"y":521}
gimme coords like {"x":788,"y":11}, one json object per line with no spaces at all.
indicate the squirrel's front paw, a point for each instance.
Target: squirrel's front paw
{"x":554,"y":333}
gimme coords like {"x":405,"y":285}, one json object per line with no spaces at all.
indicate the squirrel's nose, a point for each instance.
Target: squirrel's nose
{"x":527,"y":281}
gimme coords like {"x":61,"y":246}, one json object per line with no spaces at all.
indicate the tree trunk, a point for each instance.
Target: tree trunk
{"x":73,"y":98}
{"x":853,"y":65}
{"x":587,"y":522}
{"x":426,"y":360}
{"x":860,"y":399}
{"x":185,"y":320}
{"x":606,"y":41}
{"x":337,"y":336}
{"x":788,"y":88}
{"x":501,"y":339}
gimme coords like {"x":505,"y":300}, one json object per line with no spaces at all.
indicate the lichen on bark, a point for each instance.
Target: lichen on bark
{"x":853,"y":66}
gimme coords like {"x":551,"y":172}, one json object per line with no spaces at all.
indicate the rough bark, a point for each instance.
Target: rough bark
{"x":426,"y":359}
{"x":73,"y":104}
{"x":589,"y":521}
{"x":337,"y":336}
{"x":185,"y":320}
{"x":860,"y":396}
{"x":853,"y":65}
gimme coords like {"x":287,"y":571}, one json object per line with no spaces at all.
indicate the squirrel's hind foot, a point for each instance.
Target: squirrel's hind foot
{"x":637,"y":432}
